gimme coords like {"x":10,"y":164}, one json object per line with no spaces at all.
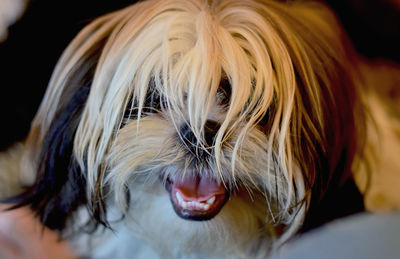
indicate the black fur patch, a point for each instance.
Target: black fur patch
{"x":60,"y":186}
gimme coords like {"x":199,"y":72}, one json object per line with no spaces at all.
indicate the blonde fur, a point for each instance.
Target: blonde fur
{"x":188,"y":62}
{"x":280,"y":60}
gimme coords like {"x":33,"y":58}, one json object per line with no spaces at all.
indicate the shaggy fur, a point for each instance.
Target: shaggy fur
{"x":260,"y":97}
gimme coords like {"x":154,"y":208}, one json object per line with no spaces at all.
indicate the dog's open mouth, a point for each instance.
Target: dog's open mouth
{"x":197,"y":197}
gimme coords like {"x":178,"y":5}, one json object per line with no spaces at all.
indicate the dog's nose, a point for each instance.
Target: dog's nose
{"x":192,"y":143}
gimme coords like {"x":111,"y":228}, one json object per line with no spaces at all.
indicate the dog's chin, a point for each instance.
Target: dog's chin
{"x":196,"y":197}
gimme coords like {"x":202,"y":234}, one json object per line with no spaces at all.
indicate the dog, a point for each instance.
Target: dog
{"x":197,"y":129}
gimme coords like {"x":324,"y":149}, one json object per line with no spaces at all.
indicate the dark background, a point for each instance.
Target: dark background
{"x":37,"y":40}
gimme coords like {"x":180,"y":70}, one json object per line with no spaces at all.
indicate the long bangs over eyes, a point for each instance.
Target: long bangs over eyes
{"x":183,"y":50}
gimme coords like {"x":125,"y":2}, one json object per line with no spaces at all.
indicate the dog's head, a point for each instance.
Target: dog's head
{"x":215,"y":101}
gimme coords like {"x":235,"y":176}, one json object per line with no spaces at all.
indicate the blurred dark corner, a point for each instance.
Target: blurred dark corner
{"x":37,"y":40}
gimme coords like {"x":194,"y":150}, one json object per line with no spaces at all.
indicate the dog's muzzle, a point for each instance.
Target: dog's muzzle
{"x":197,"y":197}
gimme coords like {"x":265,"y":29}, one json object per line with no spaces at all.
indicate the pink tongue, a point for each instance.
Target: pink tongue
{"x":197,"y":188}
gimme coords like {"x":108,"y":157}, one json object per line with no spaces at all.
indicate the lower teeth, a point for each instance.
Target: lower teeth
{"x":194,"y":205}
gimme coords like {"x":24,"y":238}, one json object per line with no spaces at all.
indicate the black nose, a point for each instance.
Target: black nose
{"x":191,"y":142}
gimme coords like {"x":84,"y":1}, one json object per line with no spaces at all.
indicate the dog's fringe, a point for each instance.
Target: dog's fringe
{"x":277,"y":57}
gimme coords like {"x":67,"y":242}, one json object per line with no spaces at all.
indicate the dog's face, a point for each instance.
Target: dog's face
{"x":218,"y":102}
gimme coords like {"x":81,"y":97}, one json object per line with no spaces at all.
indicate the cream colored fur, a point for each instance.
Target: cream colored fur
{"x":186,"y":47}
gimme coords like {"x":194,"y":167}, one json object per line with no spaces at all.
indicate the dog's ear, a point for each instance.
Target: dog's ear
{"x":60,"y":185}
{"x":330,"y":174}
